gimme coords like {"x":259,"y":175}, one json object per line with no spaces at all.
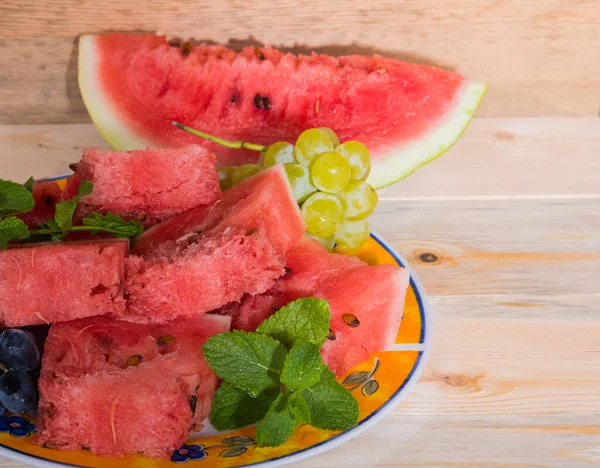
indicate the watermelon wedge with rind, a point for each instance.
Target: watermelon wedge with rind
{"x":407,"y":115}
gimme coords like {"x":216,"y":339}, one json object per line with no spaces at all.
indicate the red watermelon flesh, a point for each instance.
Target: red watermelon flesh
{"x":145,"y":408}
{"x":149,"y":185}
{"x":374,"y":295}
{"x":46,"y":195}
{"x":202,"y":261}
{"x":135,"y":85}
{"x":44,"y":283}
{"x":262,"y":200}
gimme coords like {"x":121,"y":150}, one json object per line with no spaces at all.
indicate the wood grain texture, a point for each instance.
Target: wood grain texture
{"x":540,"y":57}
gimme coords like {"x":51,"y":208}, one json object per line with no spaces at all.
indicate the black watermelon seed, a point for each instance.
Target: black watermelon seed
{"x":262,"y":102}
{"x":331,"y":335}
{"x":351,"y":320}
{"x":186,"y":49}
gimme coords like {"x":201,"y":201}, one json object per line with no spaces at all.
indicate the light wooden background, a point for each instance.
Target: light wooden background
{"x":512,"y":212}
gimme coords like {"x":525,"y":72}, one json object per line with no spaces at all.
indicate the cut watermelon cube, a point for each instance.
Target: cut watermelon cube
{"x":197,"y":262}
{"x":44,"y":283}
{"x":117,"y":387}
{"x":366,"y":302}
{"x":149,"y":185}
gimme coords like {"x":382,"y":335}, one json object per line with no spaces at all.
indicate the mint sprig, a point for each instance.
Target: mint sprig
{"x":17,"y":199}
{"x":276,"y":376}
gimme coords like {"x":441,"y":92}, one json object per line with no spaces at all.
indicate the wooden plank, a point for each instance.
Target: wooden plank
{"x":530,"y":52}
{"x":512,"y":158}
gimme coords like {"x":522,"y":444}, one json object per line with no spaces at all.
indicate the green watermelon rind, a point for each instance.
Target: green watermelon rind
{"x":387,"y":169}
{"x":395,"y":165}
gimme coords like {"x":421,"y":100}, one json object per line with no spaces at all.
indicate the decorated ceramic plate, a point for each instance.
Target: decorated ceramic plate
{"x":378,"y":385}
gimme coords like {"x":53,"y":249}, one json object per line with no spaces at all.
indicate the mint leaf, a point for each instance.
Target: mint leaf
{"x":299,"y":408}
{"x":304,"y":319}
{"x":114,"y":224}
{"x":331,"y":406}
{"x":66,"y":209}
{"x":250,"y":361}
{"x":12,"y":229}
{"x":233,"y":408}
{"x":85,"y":188}
{"x":14,"y":198}
{"x":29,"y":184}
{"x":303,"y":366}
{"x":64,"y":213}
{"x":278,"y":425}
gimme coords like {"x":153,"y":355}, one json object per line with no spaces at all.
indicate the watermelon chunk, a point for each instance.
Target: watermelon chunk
{"x":199,"y":261}
{"x":366,"y":302}
{"x":90,"y":396}
{"x":44,"y":283}
{"x":46,"y":195}
{"x":134,"y":86}
{"x":148,"y":185}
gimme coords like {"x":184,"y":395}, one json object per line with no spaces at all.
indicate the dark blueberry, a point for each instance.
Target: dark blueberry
{"x":18,"y":350}
{"x":17,"y":392}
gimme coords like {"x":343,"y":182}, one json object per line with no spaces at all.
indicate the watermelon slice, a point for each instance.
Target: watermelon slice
{"x":117,"y":387}
{"x":55,"y":282}
{"x":134,"y":86}
{"x":197,"y":262}
{"x":366,"y":302}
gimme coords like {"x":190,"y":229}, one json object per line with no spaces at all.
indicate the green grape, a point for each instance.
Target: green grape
{"x":360,"y":200}
{"x":330,"y":172}
{"x":225,"y":174}
{"x":241,"y":173}
{"x":310,"y":143}
{"x":357,"y":155}
{"x":352,"y":235}
{"x":281,"y":152}
{"x":328,"y":243}
{"x":333,"y":137}
{"x":299,"y":178}
{"x":323,"y":213}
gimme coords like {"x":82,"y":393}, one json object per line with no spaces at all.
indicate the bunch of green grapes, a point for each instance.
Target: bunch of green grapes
{"x":328,"y":181}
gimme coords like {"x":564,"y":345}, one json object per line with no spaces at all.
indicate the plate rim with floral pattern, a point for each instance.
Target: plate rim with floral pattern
{"x":362,"y":380}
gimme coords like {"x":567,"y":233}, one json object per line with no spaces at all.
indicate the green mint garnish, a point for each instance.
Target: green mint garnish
{"x":305,"y":319}
{"x":14,"y":198}
{"x":12,"y":229}
{"x":29,"y":184}
{"x":251,"y":362}
{"x":65,"y":210}
{"x":113,"y":224}
{"x":276,"y":376}
{"x":303,"y":366}
{"x":233,"y":408}
{"x":278,"y":424}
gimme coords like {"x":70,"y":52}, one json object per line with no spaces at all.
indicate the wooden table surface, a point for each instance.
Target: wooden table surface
{"x":512,"y":212}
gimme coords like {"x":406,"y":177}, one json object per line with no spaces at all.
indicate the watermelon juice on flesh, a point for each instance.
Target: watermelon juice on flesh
{"x":406,"y":114}
{"x":44,"y":283}
{"x":366,"y":302}
{"x":199,"y":261}
{"x":117,"y":387}
{"x":149,"y":185}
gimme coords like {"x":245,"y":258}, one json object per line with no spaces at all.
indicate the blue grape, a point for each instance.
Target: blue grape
{"x":18,"y":350}
{"x":17,"y":392}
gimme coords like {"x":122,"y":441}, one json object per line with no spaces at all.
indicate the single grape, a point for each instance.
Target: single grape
{"x":225,"y":174}
{"x":281,"y":152}
{"x":357,"y":155}
{"x":311,"y":143}
{"x":328,"y":243}
{"x":323,"y":213}
{"x":18,"y":350}
{"x":17,"y":391}
{"x":299,"y":178}
{"x":332,"y":136}
{"x":360,"y":200}
{"x":241,"y":173}
{"x":330,"y":172}
{"x":352,"y":235}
